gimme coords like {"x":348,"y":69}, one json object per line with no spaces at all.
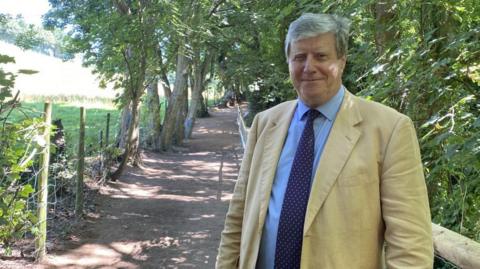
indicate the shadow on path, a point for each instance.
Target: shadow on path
{"x":168,"y":214}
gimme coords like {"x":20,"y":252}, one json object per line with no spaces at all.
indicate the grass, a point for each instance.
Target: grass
{"x":69,"y":113}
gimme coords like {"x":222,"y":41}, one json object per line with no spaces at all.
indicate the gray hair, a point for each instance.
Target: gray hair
{"x":311,"y":25}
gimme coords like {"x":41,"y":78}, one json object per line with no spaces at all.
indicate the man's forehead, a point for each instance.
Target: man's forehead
{"x":328,"y":36}
{"x":322,"y":42}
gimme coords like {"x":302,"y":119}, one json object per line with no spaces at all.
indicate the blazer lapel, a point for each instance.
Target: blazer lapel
{"x":275,"y":134}
{"x":341,"y":141}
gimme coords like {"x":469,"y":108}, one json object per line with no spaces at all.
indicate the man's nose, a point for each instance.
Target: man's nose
{"x":309,"y":65}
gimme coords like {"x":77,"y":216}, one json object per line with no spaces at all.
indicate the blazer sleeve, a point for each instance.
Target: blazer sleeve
{"x":405,"y":208}
{"x":229,"y":250}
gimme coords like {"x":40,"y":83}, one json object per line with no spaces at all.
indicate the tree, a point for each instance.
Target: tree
{"x":31,"y":37}
{"x":153,"y":117}
{"x":177,"y":100}
{"x":115,"y":38}
{"x":199,"y":19}
{"x":203,"y":24}
{"x":128,"y":42}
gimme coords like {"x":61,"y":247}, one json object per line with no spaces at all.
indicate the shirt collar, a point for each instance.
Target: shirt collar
{"x":329,"y":109}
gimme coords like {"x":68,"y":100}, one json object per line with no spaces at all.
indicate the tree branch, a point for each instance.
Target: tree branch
{"x":214,"y":8}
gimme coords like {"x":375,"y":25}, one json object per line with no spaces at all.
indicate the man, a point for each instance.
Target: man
{"x":329,"y":180}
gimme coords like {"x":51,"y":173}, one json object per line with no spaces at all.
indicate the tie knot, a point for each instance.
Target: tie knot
{"x":312,"y":114}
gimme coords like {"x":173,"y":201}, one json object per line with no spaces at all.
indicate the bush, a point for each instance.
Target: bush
{"x":19,"y":143}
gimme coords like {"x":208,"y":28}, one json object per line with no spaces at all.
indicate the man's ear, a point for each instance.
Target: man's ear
{"x":343,"y":60}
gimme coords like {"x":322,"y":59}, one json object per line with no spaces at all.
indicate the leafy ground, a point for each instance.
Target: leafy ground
{"x":167,"y":214}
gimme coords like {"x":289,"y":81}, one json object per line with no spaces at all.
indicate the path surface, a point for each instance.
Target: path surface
{"x":168,"y":214}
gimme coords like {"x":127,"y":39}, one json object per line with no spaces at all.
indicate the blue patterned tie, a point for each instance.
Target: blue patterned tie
{"x":292,"y":217}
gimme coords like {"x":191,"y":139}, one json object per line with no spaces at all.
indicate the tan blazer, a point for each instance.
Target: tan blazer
{"x":368,"y":191}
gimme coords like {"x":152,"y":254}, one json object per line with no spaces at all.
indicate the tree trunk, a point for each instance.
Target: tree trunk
{"x":135,"y":59}
{"x":177,"y":101}
{"x":153,"y":117}
{"x":182,"y":114}
{"x":198,"y":86}
{"x":122,"y":136}
{"x":202,"y":110}
{"x":168,"y":95}
{"x":132,"y":141}
{"x":385,"y":31}
{"x":167,"y":91}
{"x":126,"y":118}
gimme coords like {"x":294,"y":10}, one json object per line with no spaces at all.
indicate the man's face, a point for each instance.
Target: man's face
{"x":315,"y":69}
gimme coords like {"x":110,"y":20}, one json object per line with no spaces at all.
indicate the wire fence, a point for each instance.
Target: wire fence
{"x":23,"y":183}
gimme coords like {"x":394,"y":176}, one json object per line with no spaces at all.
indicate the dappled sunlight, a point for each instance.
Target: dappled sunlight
{"x":201,"y":153}
{"x":148,"y":192}
{"x":90,"y":255}
{"x":202,"y":216}
{"x":203,"y":130}
{"x":190,"y":165}
{"x":111,"y":217}
{"x":189,"y":170}
{"x":130,"y":254}
{"x":136,"y":215}
{"x":183,"y":198}
{"x":125,"y":190}
{"x":198,"y":235}
{"x":226,"y":197}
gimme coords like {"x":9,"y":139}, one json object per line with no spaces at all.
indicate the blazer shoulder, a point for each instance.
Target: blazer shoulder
{"x":377,"y":111}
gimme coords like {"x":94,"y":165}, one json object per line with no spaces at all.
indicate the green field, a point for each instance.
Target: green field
{"x":96,"y":121}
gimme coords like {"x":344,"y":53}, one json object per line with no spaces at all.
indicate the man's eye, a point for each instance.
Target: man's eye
{"x":299,"y":57}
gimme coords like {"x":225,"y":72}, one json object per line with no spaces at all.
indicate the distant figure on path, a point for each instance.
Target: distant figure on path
{"x":329,"y":180}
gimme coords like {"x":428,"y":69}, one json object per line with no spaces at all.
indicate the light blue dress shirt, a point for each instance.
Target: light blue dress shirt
{"x":321,"y":126}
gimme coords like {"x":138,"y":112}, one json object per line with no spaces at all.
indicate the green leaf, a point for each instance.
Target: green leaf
{"x":27,"y":71}
{"x":6,"y":59}
{"x":19,"y":205}
{"x":26,"y":191}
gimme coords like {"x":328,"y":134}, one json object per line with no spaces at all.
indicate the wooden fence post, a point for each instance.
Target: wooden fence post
{"x":80,"y":165}
{"x":107,"y":131}
{"x":100,"y":139}
{"x":43,"y":187}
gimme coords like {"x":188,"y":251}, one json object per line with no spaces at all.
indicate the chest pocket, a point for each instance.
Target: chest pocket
{"x":357,"y":178}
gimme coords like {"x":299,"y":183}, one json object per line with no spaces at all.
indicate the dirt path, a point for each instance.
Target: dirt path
{"x":168,"y":214}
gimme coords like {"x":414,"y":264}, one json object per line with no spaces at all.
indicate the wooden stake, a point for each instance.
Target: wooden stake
{"x":80,"y":165}
{"x":41,"y":237}
{"x":107,"y":132}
